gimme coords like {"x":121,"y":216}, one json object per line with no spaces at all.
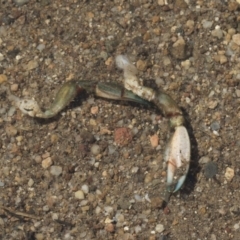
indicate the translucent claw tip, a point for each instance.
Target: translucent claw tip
{"x":122,"y":61}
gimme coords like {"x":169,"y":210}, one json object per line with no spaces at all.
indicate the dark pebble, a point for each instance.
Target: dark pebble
{"x":210,"y":169}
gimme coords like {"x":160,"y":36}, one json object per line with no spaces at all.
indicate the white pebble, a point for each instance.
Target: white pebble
{"x":126,"y":228}
{"x":54,"y":216}
{"x":229,"y":174}
{"x":137,"y":229}
{"x":159,"y":228}
{"x":40,"y":47}
{"x":30,"y":182}
{"x":108,"y":209}
{"x":138,"y":198}
{"x":95,"y":149}
{"x":79,"y":194}
{"x":56,"y":170}
{"x":207,"y":24}
{"x":85,"y":189}
{"x":98,"y":210}
{"x":236,"y":226}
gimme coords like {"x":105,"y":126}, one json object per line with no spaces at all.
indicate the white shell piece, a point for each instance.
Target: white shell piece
{"x":131,"y":81}
{"x":178,"y":158}
{"x":29,"y":107}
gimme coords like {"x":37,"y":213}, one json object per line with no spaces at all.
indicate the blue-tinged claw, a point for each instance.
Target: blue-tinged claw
{"x":178,"y":159}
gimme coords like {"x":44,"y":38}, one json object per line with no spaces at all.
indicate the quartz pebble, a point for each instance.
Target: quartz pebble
{"x":47,"y":162}
{"x":217,"y":33}
{"x":204,"y":160}
{"x":95,"y":149}
{"x":159,"y":228}
{"x":40,"y":47}
{"x":236,"y":39}
{"x":31,"y":65}
{"x":85,"y":189}
{"x":229,"y":174}
{"x":207,"y":24}
{"x":30,"y":182}
{"x":56,"y":170}
{"x":79,"y":194}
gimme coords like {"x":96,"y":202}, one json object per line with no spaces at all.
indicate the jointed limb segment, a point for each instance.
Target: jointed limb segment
{"x":178,"y":148}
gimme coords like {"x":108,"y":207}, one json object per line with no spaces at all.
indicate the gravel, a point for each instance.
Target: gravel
{"x":96,"y":170}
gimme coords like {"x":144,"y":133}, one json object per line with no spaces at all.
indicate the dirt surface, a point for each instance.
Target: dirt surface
{"x":67,"y":178}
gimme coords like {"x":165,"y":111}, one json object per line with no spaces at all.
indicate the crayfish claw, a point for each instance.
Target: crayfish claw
{"x":178,"y":159}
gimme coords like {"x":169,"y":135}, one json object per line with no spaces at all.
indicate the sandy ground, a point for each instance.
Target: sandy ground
{"x":66,"y":177}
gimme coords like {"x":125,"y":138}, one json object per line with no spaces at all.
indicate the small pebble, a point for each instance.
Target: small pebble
{"x":79,"y":194}
{"x":38,"y":159}
{"x":40,"y":47}
{"x":39,"y":236}
{"x":31,"y":65}
{"x":94,"y":110}
{"x":204,"y":160}
{"x":186,"y":64}
{"x":236,"y":39}
{"x":11,"y":111}
{"x":14,"y":87}
{"x":212,"y":104}
{"x":159,"y":228}
{"x":154,"y":140}
{"x":179,"y":49}
{"x":207,"y":24}
{"x":110,"y":227}
{"x":46,"y":155}
{"x":11,"y":130}
{"x":141,"y":65}
{"x":56,"y":170}
{"x":85,"y":189}
{"x":30,"y":182}
{"x":1,"y":57}
{"x":137,"y":229}
{"x":47,"y":162}
{"x":122,"y":136}
{"x":21,"y":2}
{"x":215,"y":126}
{"x":238,"y":93}
{"x":108,"y":210}
{"x":217,"y":33}
{"x":161,"y":2}
{"x":3,"y":78}
{"x":229,"y":174}
{"x":236,"y":226}
{"x":210,"y":169}
{"x":95,"y":149}
{"x":46,"y":208}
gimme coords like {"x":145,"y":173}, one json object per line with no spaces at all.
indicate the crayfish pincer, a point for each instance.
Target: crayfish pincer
{"x":177,"y":154}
